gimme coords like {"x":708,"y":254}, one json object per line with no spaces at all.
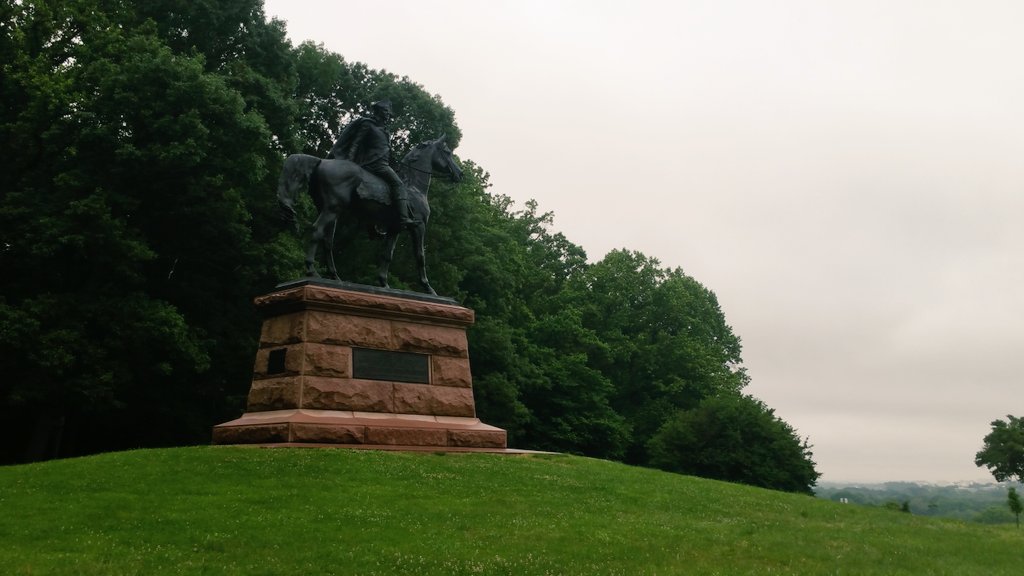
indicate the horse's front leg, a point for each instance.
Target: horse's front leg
{"x":418,"y":233}
{"x":386,"y":254}
{"x":311,"y":259}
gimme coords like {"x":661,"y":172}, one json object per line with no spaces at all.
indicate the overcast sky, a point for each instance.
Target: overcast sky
{"x":845,"y":175}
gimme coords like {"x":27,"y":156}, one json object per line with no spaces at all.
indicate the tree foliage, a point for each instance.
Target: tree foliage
{"x":1013,"y":500}
{"x":668,"y":344}
{"x":1003,"y":450}
{"x":736,"y":438}
{"x":977,"y":502}
{"x":142,"y":142}
{"x":114,"y":154}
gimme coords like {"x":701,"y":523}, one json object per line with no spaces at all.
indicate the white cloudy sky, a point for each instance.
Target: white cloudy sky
{"x":845,"y":175}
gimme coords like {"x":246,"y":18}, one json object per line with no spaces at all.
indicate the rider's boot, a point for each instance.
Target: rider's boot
{"x":404,"y":218}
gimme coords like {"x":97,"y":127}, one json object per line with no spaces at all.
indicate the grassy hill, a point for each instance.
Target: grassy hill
{"x":227,"y":510}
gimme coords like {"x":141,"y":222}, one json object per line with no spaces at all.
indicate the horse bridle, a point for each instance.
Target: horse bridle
{"x":421,"y":171}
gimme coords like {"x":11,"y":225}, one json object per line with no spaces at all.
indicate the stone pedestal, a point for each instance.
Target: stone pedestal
{"x":363,"y":367}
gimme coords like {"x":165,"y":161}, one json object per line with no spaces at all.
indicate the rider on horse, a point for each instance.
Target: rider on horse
{"x":366,"y":142}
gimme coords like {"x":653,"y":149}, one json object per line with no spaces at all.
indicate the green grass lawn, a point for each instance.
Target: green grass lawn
{"x":228,"y":510}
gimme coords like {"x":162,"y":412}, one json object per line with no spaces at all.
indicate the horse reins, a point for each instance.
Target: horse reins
{"x":421,"y":171}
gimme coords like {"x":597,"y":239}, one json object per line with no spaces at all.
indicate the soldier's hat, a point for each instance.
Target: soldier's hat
{"x":382,"y":106}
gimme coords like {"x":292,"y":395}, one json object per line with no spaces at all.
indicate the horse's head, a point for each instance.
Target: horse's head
{"x":442,"y":160}
{"x":435,"y":157}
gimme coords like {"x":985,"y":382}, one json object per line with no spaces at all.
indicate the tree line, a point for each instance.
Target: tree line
{"x":977,"y":502}
{"x":141,"y":145}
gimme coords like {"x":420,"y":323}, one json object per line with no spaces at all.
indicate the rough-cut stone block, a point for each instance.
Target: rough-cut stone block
{"x":274,"y":394}
{"x":447,"y":371}
{"x":292,"y":361}
{"x":281,"y":330}
{"x":449,"y":401}
{"x":477,"y":438}
{"x":429,"y":339}
{"x":346,"y":394}
{"x":326,"y":360}
{"x":406,"y":436}
{"x":328,"y":434}
{"x":328,"y":328}
{"x":434,"y":400}
{"x":262,"y":434}
{"x":259,"y":367}
{"x":414,"y":399}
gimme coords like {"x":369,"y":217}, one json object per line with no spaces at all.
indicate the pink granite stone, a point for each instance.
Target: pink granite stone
{"x":434,"y":400}
{"x":327,"y":434}
{"x":477,"y":438}
{"x":274,"y":394}
{"x":347,"y":394}
{"x":395,"y":436}
{"x":327,"y":328}
{"x":259,"y":434}
{"x":281,"y":330}
{"x":327,"y":360}
{"x":448,"y":371}
{"x":429,"y":339}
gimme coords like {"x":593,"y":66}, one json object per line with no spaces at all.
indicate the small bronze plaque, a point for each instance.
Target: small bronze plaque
{"x":371,"y":364}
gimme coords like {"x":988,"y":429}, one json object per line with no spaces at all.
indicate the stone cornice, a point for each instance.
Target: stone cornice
{"x":374,"y":303}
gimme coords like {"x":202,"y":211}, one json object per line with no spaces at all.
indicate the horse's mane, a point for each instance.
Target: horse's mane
{"x":410,"y":157}
{"x":414,"y":154}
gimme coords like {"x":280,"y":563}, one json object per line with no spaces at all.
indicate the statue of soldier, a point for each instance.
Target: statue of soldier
{"x":366,"y":142}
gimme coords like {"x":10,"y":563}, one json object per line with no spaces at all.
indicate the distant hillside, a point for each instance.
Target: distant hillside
{"x":973,"y":502}
{"x":251,"y":511}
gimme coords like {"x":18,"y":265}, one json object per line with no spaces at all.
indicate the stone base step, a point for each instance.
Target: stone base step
{"x":333,"y":427}
{"x":396,"y":448}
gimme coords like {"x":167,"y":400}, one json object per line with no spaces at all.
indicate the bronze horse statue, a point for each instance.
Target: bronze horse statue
{"x":341,"y":186}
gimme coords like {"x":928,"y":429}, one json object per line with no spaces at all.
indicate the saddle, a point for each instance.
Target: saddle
{"x":373,"y":189}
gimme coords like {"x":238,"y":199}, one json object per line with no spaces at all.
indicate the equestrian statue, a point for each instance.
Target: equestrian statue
{"x":357,"y":179}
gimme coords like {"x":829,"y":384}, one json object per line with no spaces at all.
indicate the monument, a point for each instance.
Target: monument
{"x":354,"y":365}
{"x":363,"y":367}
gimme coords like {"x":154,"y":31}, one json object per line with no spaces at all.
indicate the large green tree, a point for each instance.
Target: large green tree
{"x":736,"y":438}
{"x":668,"y":343}
{"x":1003,"y":450}
{"x":127,"y":252}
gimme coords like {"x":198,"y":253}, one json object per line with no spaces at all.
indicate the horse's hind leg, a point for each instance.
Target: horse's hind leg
{"x":386,"y":254}
{"x":418,"y":232}
{"x":323,"y":232}
{"x":329,"y":248}
{"x":311,"y":247}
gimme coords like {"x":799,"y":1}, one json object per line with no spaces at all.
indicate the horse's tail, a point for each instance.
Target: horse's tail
{"x":296,"y":174}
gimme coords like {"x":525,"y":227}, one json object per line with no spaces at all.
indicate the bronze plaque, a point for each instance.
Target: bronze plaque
{"x":369,"y":364}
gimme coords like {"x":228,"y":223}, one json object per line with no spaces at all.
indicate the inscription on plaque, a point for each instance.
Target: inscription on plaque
{"x":369,"y":364}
